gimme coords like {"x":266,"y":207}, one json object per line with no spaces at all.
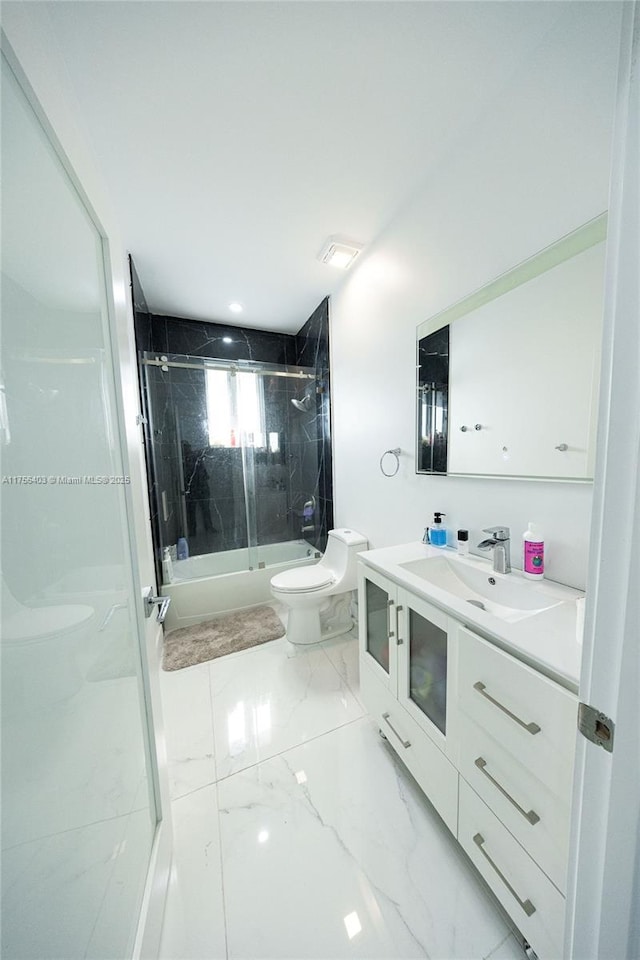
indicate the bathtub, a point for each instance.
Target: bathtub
{"x":205,"y":586}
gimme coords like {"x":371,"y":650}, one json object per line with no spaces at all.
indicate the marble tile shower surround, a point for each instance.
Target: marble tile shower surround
{"x":297,"y":832}
{"x":216,"y":502}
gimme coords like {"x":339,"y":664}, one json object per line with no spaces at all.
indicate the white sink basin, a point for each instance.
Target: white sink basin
{"x":507,"y":596}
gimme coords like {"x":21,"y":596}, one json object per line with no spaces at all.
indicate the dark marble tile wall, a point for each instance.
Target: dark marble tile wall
{"x":212,"y":514}
{"x":141,"y":315}
{"x":314,"y":469}
{"x":203,"y":339}
{"x":142,"y":326}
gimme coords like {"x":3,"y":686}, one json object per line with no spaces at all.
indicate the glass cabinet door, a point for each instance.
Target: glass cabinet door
{"x":425,"y":668}
{"x":378,"y":625}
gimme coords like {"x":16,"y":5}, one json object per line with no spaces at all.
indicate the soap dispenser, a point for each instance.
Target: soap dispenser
{"x":438,"y":533}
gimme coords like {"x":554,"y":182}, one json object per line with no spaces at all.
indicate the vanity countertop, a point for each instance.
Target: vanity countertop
{"x":547,"y":640}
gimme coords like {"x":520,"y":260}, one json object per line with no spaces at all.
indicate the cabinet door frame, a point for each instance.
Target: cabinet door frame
{"x":447,"y":742}
{"x":366,"y":573}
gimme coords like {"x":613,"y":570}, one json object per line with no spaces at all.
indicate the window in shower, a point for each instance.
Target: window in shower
{"x":237,"y":415}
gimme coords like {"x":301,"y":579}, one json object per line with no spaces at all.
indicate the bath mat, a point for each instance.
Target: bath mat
{"x":215,"y":638}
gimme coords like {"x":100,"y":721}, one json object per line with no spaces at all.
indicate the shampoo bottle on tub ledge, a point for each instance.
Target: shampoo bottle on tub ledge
{"x":533,"y":553}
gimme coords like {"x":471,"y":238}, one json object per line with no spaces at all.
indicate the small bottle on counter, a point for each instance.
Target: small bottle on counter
{"x":463,"y":543}
{"x":438,"y":533}
{"x":533,"y":553}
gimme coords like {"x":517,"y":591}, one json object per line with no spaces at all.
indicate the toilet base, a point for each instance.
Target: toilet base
{"x":312,"y":625}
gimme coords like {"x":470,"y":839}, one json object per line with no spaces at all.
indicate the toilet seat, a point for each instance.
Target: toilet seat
{"x":303,"y":579}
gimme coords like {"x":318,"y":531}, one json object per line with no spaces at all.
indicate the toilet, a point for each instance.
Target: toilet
{"x":319,"y":597}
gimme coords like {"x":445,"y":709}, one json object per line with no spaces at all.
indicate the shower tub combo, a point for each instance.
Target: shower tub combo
{"x":203,"y":587}
{"x":236,"y":456}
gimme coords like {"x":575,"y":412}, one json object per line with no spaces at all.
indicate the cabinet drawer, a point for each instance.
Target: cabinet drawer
{"x":537,"y":817}
{"x":527,"y":895}
{"x":433,"y":772}
{"x":531,"y":716}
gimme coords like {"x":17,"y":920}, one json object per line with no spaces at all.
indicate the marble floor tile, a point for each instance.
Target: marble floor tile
{"x":344,"y":655}
{"x":194,"y":927}
{"x":330,"y":850}
{"x":509,"y":949}
{"x":271,"y":698}
{"x":188,"y":721}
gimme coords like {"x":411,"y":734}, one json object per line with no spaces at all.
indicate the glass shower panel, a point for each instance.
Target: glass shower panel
{"x":197,"y":460}
{"x":78,"y":810}
{"x":234,"y":460}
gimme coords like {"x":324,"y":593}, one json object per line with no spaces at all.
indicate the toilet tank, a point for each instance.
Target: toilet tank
{"x":343,"y":547}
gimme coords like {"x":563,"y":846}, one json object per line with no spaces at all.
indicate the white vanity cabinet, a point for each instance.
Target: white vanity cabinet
{"x":489,"y":739}
{"x":517,"y":744}
{"x":408,"y":676}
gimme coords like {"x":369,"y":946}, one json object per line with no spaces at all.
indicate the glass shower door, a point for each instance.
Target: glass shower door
{"x":78,"y":807}
{"x":235,"y":463}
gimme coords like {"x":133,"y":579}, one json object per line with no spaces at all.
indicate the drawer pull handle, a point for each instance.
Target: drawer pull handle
{"x":532,"y":728}
{"x":390,"y":632}
{"x":526,"y":905}
{"x":405,"y":743}
{"x":531,"y":816}
{"x":399,"y":639}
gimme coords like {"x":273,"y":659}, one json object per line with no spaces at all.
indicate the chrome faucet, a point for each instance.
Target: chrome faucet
{"x":501,"y":544}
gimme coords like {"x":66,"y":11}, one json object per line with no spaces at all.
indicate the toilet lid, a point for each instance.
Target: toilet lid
{"x":42,"y":623}
{"x":302,"y":579}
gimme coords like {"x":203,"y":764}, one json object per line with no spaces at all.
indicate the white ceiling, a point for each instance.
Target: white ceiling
{"x":235,"y":137}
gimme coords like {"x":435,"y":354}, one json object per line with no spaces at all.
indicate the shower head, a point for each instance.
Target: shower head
{"x":304,"y":405}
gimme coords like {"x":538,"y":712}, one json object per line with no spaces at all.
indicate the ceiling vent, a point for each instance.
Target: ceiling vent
{"x":339,"y":252}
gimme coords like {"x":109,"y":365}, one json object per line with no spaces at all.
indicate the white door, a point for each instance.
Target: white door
{"x":604,"y":892}
{"x":82,"y":812}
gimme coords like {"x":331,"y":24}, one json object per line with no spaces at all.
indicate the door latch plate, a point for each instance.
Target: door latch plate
{"x":595,"y":726}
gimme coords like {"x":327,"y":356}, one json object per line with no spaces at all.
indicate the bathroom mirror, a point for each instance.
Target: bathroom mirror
{"x":508,"y":376}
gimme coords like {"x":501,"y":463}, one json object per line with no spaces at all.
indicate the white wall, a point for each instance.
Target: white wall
{"x":533,"y":168}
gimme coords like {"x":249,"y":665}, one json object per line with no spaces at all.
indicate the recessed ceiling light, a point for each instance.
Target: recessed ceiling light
{"x":339,"y":252}
{"x":236,"y":307}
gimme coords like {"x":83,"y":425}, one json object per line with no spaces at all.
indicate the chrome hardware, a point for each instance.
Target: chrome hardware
{"x":463,"y":429}
{"x":531,"y":816}
{"x":405,"y":743}
{"x":562,"y":447}
{"x":399,"y":639}
{"x":500,"y":543}
{"x":500,"y":533}
{"x":531,"y":728}
{"x":141,"y":419}
{"x":526,"y":905}
{"x":478,"y":426}
{"x":595,"y":726}
{"x":492,"y":581}
{"x":151,"y":602}
{"x":390,"y":632}
{"x":394,"y":453}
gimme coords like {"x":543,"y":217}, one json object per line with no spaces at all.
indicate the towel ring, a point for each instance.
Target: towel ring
{"x":394,"y":453}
